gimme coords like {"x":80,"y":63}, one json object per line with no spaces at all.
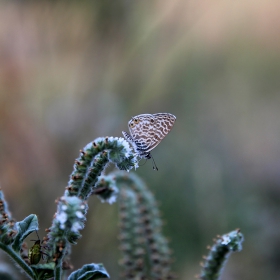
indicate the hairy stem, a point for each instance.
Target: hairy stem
{"x":27,"y":269}
{"x":219,"y":253}
{"x":57,"y":272}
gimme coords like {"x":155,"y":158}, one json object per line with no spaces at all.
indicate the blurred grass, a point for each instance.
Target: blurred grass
{"x":73,"y":71}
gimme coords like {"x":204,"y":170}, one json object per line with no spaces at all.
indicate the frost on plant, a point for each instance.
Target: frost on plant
{"x":146,"y":253}
{"x":68,"y":221}
{"x":219,"y":253}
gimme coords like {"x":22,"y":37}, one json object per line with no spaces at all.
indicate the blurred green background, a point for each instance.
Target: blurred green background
{"x":71,"y":71}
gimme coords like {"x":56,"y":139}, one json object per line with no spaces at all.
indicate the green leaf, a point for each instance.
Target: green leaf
{"x":44,"y":271}
{"x":45,"y":266}
{"x":89,"y":272}
{"x":25,"y":227}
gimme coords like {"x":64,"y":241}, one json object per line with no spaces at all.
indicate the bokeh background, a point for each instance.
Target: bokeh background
{"x":71,"y":71}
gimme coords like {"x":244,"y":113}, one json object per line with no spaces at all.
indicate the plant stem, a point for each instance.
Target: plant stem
{"x":15,"y":256}
{"x":57,"y":272}
{"x":219,"y":253}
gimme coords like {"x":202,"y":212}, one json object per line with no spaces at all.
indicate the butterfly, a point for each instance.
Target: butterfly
{"x":147,"y":131}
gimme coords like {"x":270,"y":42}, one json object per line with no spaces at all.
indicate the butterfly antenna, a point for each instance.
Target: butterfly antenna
{"x":37,"y":234}
{"x":143,"y":163}
{"x":154,"y":166}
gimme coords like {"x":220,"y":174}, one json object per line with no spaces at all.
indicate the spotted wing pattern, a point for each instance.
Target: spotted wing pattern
{"x":147,"y":131}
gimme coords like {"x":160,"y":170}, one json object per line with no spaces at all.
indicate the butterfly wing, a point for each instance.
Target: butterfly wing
{"x":130,"y":140}
{"x":148,"y":130}
{"x":163,"y":124}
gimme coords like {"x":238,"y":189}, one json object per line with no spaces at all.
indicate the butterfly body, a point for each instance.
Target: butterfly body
{"x":147,"y":131}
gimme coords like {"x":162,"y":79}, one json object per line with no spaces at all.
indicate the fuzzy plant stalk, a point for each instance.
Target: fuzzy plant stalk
{"x":69,"y":218}
{"x":93,"y":160}
{"x":146,"y":254}
{"x":131,"y":243}
{"x":219,"y":253}
{"x":72,"y":206}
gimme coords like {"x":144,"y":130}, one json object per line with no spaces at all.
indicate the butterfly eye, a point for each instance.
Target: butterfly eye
{"x":131,"y":124}
{"x":136,"y":120}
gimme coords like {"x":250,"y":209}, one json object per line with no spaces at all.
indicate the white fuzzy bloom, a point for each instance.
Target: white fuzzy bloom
{"x":61,"y":218}
{"x":226,"y":240}
{"x":76,"y":227}
{"x":112,"y":199}
{"x":64,"y":207}
{"x":123,"y":142}
{"x":79,"y":214}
